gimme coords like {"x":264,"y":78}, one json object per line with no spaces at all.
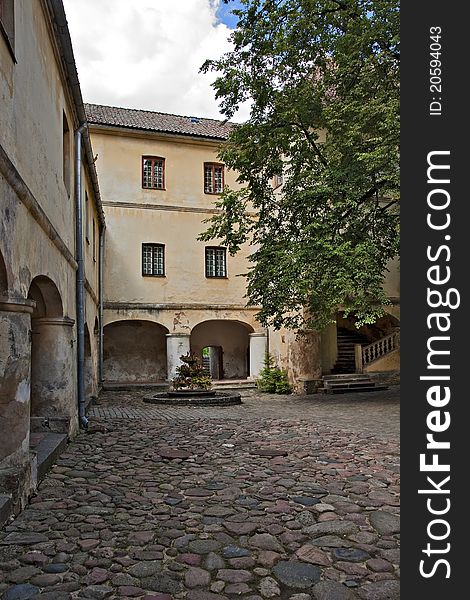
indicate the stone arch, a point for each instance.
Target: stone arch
{"x":47,"y":297}
{"x":134,"y":352}
{"x":52,"y":361}
{"x":228,"y":342}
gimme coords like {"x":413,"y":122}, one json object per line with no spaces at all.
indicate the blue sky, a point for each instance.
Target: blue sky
{"x":224,"y":13}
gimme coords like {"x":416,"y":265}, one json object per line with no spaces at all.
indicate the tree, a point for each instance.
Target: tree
{"x":323,"y":78}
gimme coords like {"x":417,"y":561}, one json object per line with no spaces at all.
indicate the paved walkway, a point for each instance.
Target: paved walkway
{"x":282,"y":497}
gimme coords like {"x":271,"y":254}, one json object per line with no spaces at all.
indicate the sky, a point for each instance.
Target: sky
{"x":147,"y":53}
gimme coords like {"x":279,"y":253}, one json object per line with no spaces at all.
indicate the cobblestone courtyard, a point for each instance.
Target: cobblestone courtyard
{"x":281,"y":497}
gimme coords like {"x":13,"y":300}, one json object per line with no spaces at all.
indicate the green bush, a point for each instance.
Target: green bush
{"x":272,"y":379}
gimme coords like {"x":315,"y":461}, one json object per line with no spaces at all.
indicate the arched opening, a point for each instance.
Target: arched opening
{"x":134,"y":352}
{"x":224,"y":346}
{"x":52,"y":364}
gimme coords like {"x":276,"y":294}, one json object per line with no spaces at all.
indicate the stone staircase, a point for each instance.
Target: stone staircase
{"x":349,"y":383}
{"x":347,"y":339}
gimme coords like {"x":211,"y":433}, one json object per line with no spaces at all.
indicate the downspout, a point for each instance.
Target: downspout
{"x":83,"y":421}
{"x":100,"y":318}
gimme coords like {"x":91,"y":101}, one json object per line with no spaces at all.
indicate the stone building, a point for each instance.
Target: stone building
{"x":165,"y":292}
{"x":49,"y":290}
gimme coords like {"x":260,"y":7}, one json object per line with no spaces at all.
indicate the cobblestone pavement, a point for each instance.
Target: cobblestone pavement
{"x":282,"y":497}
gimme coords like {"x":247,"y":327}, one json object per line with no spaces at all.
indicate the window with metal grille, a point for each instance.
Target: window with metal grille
{"x":153,"y":260}
{"x":153,"y":172}
{"x":216,"y":262}
{"x":213,"y":178}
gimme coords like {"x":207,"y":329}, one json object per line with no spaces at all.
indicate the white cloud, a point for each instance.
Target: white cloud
{"x":147,"y":53}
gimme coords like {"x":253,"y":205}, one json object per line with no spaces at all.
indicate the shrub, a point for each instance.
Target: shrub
{"x":272,"y":379}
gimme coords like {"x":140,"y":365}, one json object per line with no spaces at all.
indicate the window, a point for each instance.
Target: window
{"x":153,"y":173}
{"x":213,"y":178}
{"x":216,"y":262}
{"x":7,"y":24}
{"x":66,"y":153}
{"x":153,"y":260}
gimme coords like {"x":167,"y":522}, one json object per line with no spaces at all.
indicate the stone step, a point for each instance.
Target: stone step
{"x":343,"y":376}
{"x":48,"y":448}
{"x":233,"y":384}
{"x":344,"y":389}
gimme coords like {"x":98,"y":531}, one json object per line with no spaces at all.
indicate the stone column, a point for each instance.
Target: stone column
{"x":258,"y":345}
{"x":177,"y":344}
{"x":15,"y":364}
{"x":53,"y":368}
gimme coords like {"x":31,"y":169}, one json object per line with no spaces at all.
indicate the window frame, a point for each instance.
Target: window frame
{"x":214,"y":248}
{"x":153,"y":159}
{"x":213,"y":165}
{"x":153,"y":245}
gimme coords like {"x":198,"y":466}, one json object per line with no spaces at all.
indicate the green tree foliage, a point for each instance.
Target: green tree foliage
{"x":323,"y":76}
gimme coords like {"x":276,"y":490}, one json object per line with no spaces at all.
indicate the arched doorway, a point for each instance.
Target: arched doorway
{"x":53,"y":389}
{"x":135,"y":352}
{"x":227,"y":343}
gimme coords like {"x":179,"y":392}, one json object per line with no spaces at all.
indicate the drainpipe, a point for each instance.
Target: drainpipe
{"x":83,"y":421}
{"x":100,"y":317}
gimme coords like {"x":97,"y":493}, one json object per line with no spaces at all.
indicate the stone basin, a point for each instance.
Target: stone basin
{"x":195,"y":398}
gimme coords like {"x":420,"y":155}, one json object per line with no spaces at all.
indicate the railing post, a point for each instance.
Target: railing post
{"x":358,"y":357}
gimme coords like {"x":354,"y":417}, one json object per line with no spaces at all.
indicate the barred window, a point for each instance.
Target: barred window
{"x":153,"y":172}
{"x":153,"y":260}
{"x":216,"y":262}
{"x":213,"y":178}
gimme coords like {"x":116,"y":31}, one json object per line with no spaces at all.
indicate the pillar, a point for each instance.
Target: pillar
{"x":177,"y":344}
{"x":258,"y":345}
{"x":53,"y":368}
{"x":15,"y":363}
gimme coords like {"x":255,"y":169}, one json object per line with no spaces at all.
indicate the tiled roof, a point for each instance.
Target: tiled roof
{"x":148,"y":120}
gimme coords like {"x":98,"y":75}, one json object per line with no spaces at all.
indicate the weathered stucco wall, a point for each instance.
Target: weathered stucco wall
{"x":32,"y":135}
{"x":135,"y":351}
{"x":184,"y":280}
{"x":299,"y":356}
{"x":329,"y":347}
{"x":119,"y":167}
{"x":389,"y":362}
